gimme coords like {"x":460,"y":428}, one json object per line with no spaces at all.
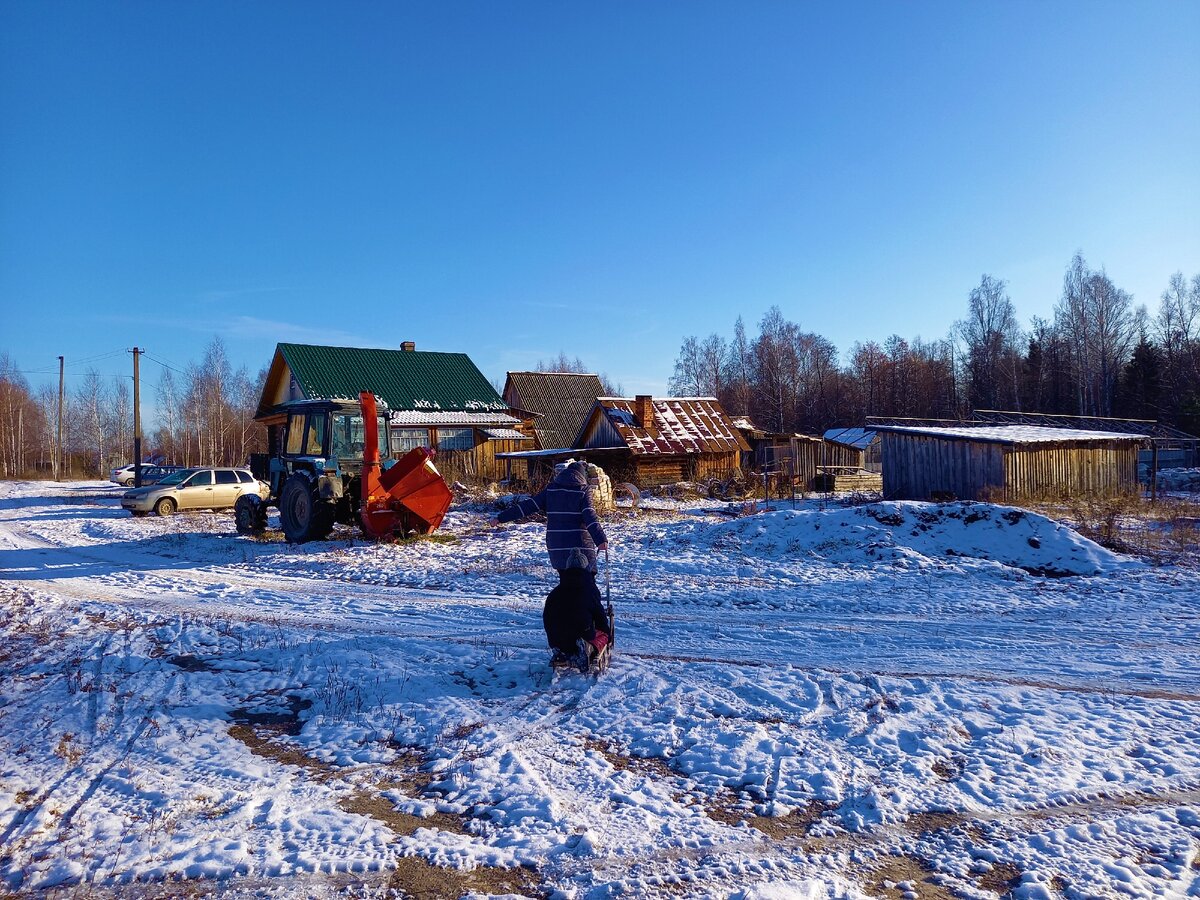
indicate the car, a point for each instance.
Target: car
{"x":151,"y":473}
{"x":124,"y":475}
{"x":202,"y":487}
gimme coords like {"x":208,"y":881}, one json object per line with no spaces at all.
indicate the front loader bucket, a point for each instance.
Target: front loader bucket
{"x":410,"y":496}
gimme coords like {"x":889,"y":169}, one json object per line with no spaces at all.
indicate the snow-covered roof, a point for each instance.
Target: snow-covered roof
{"x":506,"y":434}
{"x":438,"y":417}
{"x":681,"y":425}
{"x":1011,"y":434}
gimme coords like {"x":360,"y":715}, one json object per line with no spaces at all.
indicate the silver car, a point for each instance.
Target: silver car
{"x":206,"y":487}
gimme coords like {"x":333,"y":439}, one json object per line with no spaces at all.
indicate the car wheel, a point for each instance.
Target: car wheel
{"x":165,"y":507}
{"x":250,"y":514}
{"x":302,"y":514}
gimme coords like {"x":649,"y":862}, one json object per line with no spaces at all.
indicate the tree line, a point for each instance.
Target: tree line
{"x":205,"y":415}
{"x":1100,"y":355}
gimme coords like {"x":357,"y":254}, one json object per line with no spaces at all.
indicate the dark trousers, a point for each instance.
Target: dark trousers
{"x":574,"y":609}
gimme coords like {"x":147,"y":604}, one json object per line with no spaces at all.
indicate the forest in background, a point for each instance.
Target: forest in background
{"x":1100,"y":355}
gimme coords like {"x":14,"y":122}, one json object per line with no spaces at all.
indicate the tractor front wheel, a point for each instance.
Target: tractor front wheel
{"x":302,"y":514}
{"x":250,"y":514}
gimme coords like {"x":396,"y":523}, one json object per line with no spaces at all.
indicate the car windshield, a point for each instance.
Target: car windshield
{"x":176,"y":477}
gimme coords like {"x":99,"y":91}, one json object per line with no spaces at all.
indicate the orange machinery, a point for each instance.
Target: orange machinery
{"x":410,"y":496}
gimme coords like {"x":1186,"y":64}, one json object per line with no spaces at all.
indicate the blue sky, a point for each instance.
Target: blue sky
{"x":515,"y":179}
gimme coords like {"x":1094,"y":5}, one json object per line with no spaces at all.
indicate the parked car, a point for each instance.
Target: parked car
{"x":155,"y":474}
{"x":124,"y":475}
{"x":205,"y":487}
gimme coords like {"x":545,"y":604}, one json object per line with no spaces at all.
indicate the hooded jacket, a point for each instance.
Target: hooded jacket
{"x":572,"y":529}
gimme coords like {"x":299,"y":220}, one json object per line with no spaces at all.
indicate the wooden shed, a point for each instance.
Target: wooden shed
{"x":436,"y":400}
{"x":560,"y":400}
{"x":1004,"y":462}
{"x":653,"y":441}
{"x":799,"y":458}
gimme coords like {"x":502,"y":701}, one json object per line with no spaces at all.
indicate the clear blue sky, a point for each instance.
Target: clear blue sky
{"x":515,"y":179}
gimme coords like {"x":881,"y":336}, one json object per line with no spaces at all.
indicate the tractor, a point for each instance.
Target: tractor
{"x":328,"y":470}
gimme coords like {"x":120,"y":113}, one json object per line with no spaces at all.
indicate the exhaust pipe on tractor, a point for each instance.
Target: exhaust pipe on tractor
{"x":409,"y":496}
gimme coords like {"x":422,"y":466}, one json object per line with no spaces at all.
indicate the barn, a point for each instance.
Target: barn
{"x":1004,"y":462}
{"x":559,"y":401}
{"x":436,"y":400}
{"x":654,"y":441}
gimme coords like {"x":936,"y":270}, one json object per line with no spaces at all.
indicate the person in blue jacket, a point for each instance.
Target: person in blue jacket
{"x":574,"y":619}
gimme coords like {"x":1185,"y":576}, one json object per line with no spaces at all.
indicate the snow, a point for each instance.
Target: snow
{"x":1012,"y":434}
{"x":802,"y":701}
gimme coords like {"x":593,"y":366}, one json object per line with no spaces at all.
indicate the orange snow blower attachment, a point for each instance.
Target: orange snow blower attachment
{"x":410,"y":496}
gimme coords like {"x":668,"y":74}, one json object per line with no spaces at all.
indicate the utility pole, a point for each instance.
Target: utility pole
{"x":137,"y":421}
{"x":58,"y":453}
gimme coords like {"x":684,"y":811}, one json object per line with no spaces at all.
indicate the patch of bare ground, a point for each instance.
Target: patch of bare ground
{"x":1002,"y":878}
{"x":381,"y":809}
{"x":649,"y":766}
{"x":795,"y":824}
{"x":418,"y":879}
{"x":893,"y":875}
{"x":260,"y":733}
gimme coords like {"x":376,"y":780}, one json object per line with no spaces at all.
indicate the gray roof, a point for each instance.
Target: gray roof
{"x":563,"y":399}
{"x":1011,"y":434}
{"x":859,"y":438}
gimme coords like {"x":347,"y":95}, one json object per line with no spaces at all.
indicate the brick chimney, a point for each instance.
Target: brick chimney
{"x":408,"y":346}
{"x":643,"y":411}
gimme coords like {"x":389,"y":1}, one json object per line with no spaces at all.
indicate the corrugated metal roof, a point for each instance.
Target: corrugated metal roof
{"x":564,"y":400}
{"x":859,"y":438}
{"x":506,"y":434}
{"x":1012,"y":434}
{"x":684,"y":425}
{"x":403,"y":379}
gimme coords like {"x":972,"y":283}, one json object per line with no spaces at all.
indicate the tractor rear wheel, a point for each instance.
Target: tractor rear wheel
{"x":302,"y":514}
{"x":250,"y":514}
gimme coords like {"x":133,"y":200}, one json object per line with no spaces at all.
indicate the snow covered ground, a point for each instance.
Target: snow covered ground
{"x":894,"y":700}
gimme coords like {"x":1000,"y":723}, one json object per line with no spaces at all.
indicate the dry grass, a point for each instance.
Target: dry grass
{"x":419,"y":880}
{"x":1165,"y":531}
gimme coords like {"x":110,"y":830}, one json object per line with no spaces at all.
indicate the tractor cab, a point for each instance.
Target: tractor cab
{"x":330,"y":436}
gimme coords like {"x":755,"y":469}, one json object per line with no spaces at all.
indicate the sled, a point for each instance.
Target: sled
{"x":598,"y":664}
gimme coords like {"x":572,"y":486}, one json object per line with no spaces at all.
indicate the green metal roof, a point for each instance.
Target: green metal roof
{"x":403,"y":379}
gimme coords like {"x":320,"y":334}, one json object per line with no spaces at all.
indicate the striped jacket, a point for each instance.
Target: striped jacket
{"x":572,"y":529}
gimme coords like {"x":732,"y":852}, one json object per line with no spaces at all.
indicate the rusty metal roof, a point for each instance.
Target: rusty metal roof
{"x":683,"y":425}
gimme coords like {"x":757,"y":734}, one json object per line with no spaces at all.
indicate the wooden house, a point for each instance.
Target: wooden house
{"x":436,"y":400}
{"x":653,"y":441}
{"x":1004,"y":462}
{"x":558,"y":401}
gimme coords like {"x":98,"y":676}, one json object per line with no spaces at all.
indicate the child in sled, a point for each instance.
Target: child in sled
{"x":574,"y":619}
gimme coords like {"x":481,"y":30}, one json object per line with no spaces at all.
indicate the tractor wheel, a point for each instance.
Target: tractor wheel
{"x":165,"y":507}
{"x":250,"y":514}
{"x":302,"y":514}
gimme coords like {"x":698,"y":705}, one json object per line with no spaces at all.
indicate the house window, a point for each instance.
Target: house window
{"x":405,"y":440}
{"x":456,"y":439}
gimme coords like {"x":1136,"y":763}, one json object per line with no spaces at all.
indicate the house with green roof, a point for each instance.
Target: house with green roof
{"x":436,"y":400}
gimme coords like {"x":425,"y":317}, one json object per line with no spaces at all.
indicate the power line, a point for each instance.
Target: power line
{"x":163,"y":364}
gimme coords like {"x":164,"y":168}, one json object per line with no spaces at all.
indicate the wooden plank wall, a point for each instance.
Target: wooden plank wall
{"x":480,"y":463}
{"x":1043,"y":470}
{"x":922,"y":467}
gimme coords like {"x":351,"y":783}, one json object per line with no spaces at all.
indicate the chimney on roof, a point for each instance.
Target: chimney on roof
{"x":408,"y":346}
{"x":643,"y":411}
